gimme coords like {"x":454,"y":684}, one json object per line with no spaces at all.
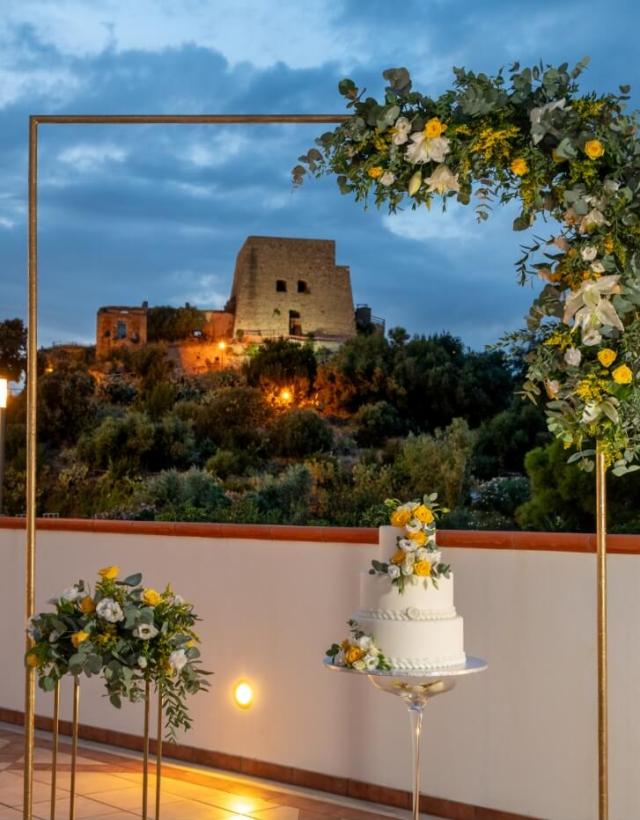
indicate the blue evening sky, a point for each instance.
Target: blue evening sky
{"x":159,"y":213}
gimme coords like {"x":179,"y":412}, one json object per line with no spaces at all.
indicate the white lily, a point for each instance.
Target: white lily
{"x":401,"y":130}
{"x":590,"y":307}
{"x":423,"y":149}
{"x":443,"y":180}
{"x":592,"y":220}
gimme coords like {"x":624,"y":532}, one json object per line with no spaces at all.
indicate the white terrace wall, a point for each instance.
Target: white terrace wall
{"x":520,"y":737}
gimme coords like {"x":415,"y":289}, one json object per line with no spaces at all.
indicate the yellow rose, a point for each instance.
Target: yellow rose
{"x":79,"y":637}
{"x":87,"y":605}
{"x":375,"y":172}
{"x":400,"y":518}
{"x":622,"y":375}
{"x":594,"y":149}
{"x":397,"y":557}
{"x":109,"y":573}
{"x":31,"y":661}
{"x":606,"y":356}
{"x":519,"y":167}
{"x":423,"y":514}
{"x":151,"y":597}
{"x":419,"y":538}
{"x":434,"y":128}
{"x":422,"y":568}
{"x":353,"y":654}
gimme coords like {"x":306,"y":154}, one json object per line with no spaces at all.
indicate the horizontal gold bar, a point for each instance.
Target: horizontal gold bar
{"x":181,"y":119}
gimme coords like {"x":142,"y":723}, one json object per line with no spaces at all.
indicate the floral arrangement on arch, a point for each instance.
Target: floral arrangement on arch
{"x":416,"y":558}
{"x":357,"y":652}
{"x":128,"y":634}
{"x":574,"y":159}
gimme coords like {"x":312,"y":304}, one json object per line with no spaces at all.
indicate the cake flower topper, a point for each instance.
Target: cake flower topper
{"x":417,"y":557}
{"x":358,"y":652}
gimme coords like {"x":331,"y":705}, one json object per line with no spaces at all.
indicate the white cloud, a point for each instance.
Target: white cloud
{"x":89,"y":157}
{"x":456,"y":223}
{"x":7,"y":223}
{"x":56,"y":86}
{"x":219,"y":148}
{"x":206,"y":290}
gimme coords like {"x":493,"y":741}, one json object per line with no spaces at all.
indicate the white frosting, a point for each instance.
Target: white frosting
{"x":416,"y":629}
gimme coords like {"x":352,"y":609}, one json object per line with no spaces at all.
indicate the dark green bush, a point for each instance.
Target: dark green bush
{"x":299,"y":433}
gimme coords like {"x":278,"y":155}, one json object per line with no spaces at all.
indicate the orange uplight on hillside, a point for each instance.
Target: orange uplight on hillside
{"x":286,"y":396}
{"x":222,"y":345}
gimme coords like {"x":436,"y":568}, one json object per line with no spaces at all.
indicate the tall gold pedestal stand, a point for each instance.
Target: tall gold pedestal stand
{"x":603,"y":731}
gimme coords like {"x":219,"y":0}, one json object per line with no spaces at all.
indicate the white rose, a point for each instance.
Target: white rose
{"x":589,"y":253}
{"x":401,"y":131}
{"x":388,"y":178}
{"x":178,"y":660}
{"x":110,"y":610}
{"x":407,"y":568}
{"x":597,"y":267}
{"x":370,"y":662}
{"x":611,"y":186}
{"x":573,"y":356}
{"x":71,"y":594}
{"x":364,"y":643}
{"x":414,"y":525}
{"x":142,"y":662}
{"x":359,"y":665}
{"x":393,"y":571}
{"x":145,"y":631}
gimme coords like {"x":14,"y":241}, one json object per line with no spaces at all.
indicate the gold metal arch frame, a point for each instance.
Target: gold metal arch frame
{"x":35,"y":122}
{"x":32,"y":394}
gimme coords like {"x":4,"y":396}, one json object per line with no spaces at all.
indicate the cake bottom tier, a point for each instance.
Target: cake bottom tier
{"x":416,"y":645}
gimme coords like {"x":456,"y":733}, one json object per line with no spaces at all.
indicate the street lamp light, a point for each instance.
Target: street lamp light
{"x":4,"y":395}
{"x":222,"y":346}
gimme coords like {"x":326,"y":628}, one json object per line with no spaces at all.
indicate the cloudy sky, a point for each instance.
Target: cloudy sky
{"x":159,"y":213}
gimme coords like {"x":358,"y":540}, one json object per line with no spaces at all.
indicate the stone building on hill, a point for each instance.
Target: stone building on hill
{"x":121,"y":327}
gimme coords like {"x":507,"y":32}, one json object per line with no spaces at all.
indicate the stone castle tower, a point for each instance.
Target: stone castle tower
{"x":291,"y":288}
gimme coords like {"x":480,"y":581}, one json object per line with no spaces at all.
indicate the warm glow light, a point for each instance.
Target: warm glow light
{"x":4,"y":392}
{"x":243,"y":694}
{"x":222,"y":345}
{"x":285,"y":394}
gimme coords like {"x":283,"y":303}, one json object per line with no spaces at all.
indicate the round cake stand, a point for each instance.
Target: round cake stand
{"x":416,"y":689}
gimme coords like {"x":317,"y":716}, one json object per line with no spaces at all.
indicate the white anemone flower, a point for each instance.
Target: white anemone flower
{"x":401,"y":130}
{"x":388,"y":178}
{"x":424,"y":149}
{"x":590,"y":307}
{"x":442,"y":180}
{"x":145,"y":631}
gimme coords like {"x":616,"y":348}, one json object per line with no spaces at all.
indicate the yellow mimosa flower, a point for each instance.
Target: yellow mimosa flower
{"x":606,"y":356}
{"x":109,"y":573}
{"x":622,"y":375}
{"x":594,"y":149}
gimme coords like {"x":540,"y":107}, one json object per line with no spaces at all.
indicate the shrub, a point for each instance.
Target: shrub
{"x":226,"y":463}
{"x":503,"y":494}
{"x":299,"y":433}
{"x":377,"y":422}
{"x":284,"y":498}
{"x":193,"y":495}
{"x":232,"y":418}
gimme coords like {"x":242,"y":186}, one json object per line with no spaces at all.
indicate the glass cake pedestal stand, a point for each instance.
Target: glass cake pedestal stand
{"x":416,"y":689}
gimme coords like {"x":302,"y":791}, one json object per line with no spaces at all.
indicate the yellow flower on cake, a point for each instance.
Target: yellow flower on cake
{"x":398,"y":557}
{"x":419,"y":538}
{"x":400,"y":517}
{"x":594,"y":149}
{"x":606,"y":356}
{"x":434,"y":128}
{"x":622,"y":374}
{"x":353,"y":654}
{"x":151,"y":597}
{"x":519,"y":167}
{"x":422,"y":568}
{"x":87,"y":605}
{"x":79,"y":637}
{"x":109,"y":573}
{"x":423,"y":514}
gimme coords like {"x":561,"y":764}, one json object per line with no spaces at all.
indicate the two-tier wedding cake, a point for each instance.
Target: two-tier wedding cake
{"x":407,"y":619}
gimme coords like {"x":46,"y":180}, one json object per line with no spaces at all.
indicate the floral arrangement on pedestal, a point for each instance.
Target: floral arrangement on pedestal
{"x":416,"y":558}
{"x":574,"y":159}
{"x":128,"y":634}
{"x":357,"y":652}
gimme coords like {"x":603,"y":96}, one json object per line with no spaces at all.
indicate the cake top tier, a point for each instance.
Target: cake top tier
{"x":408,"y":546}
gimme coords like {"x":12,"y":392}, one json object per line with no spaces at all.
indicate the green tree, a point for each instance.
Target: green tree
{"x":377,"y":422}
{"x":66,"y":405}
{"x":13,"y":349}
{"x":281,"y":363}
{"x":231,"y":418}
{"x":169,"y":324}
{"x":299,"y":433}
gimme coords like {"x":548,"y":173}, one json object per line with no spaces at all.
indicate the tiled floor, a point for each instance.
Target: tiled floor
{"x":108,"y":786}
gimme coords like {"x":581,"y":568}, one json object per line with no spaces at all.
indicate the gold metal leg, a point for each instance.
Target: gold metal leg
{"x":603,"y":730}
{"x":74,"y":746}
{"x":159,"y":754}
{"x":145,"y":750}
{"x":54,"y":756}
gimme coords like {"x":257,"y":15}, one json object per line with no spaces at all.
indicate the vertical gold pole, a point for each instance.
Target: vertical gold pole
{"x":32,"y":387}
{"x":159,"y":754}
{"x":603,"y":732}
{"x":74,"y":746}
{"x":145,"y":751}
{"x":54,"y":756}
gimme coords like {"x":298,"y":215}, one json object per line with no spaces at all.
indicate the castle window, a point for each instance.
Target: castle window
{"x":121,"y":330}
{"x":281,"y":286}
{"x":303,"y":287}
{"x":295,"y":325}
